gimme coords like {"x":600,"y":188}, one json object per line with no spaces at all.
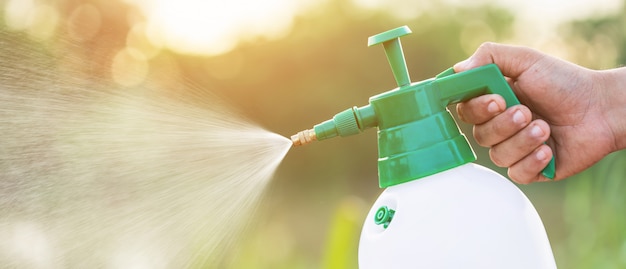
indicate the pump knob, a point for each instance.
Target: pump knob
{"x":393,"y":49}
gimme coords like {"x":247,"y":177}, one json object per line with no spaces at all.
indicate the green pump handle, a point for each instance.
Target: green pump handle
{"x":458,"y":88}
{"x":469,"y":84}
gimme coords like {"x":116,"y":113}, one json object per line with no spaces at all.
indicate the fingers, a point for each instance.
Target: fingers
{"x":520,"y":145}
{"x":481,"y":109}
{"x":515,"y":139}
{"x":503,"y":126}
{"x":529,"y":169}
{"x":512,"y":60}
{"x":524,"y":153}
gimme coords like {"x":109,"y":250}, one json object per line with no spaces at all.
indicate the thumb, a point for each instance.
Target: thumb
{"x":512,"y":60}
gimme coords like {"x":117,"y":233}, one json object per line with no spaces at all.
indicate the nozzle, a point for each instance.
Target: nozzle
{"x":342,"y":124}
{"x":348,"y":122}
{"x":304,"y":137}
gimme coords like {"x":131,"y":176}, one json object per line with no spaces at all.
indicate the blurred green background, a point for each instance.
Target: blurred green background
{"x":291,"y":71}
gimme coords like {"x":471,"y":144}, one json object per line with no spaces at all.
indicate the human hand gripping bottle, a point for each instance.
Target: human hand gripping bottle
{"x":439,"y":210}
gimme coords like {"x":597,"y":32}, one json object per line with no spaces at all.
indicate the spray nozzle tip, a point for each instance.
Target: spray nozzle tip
{"x":303,"y":137}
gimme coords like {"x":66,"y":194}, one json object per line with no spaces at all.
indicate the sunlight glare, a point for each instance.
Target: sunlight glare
{"x":38,"y":19}
{"x":215,"y":27}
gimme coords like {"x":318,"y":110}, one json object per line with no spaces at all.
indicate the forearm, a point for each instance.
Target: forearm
{"x":614,"y":87}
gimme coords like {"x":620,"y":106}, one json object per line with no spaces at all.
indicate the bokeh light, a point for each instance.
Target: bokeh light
{"x":214,"y":27}
{"x":129,"y":67}
{"x":39,"y":20}
{"x":84,"y":22}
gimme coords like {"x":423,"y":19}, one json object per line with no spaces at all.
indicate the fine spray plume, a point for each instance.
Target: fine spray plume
{"x":97,"y":175}
{"x":439,"y":210}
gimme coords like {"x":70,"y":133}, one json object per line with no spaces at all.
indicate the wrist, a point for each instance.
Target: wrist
{"x":614,"y":87}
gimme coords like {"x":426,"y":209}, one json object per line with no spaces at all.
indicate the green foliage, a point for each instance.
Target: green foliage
{"x":601,"y":39}
{"x":343,"y":237}
{"x":594,"y":210}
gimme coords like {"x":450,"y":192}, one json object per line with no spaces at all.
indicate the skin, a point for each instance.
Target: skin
{"x":580,"y":113}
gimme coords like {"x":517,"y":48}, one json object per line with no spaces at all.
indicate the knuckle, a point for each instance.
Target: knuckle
{"x":486,"y":45}
{"x":492,"y":132}
{"x":460,"y":112}
{"x":501,"y":131}
{"x":497,"y":158}
{"x":517,"y":178}
{"x":480,"y":137}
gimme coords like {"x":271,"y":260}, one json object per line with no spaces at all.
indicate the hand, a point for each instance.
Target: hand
{"x":569,"y":107}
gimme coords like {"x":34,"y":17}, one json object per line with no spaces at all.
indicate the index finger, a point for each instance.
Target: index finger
{"x":512,"y":60}
{"x":481,"y":109}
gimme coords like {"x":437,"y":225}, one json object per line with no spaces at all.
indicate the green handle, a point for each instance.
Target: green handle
{"x":459,"y":87}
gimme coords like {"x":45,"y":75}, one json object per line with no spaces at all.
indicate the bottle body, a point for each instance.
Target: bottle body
{"x":465,"y":217}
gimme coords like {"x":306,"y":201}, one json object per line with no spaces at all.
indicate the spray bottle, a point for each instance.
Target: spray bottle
{"x":439,"y":210}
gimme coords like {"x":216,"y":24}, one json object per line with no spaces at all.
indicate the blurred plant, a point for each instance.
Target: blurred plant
{"x":594,"y":210}
{"x":600,"y":42}
{"x":345,"y":228}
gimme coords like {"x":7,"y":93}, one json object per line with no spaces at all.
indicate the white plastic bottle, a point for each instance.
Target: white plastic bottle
{"x":465,"y":217}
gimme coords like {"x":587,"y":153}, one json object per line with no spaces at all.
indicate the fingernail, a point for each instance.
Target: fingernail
{"x":518,"y":117}
{"x":493,"y":107}
{"x":540,"y":155}
{"x":536,"y":131}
